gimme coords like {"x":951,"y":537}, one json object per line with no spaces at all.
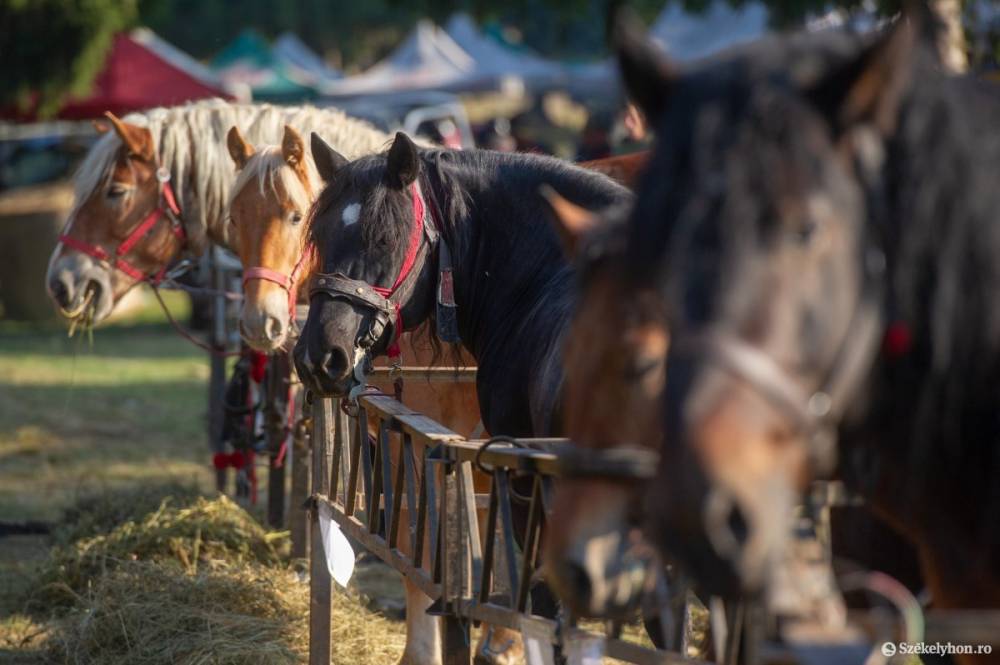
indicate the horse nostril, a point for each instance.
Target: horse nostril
{"x":738,"y":526}
{"x":60,"y":292}
{"x":274,"y":329}
{"x":335,"y":363}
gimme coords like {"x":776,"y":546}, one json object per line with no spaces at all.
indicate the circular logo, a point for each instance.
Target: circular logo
{"x":888,"y":649}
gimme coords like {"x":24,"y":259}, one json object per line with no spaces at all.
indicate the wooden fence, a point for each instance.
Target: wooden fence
{"x":486,"y":577}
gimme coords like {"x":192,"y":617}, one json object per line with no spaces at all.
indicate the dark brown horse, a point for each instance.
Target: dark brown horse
{"x":818,"y":230}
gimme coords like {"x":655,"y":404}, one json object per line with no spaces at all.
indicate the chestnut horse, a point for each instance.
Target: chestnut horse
{"x":155,"y":188}
{"x":819,"y":241}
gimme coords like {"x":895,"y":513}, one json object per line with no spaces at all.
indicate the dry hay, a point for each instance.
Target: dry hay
{"x":252,"y":614}
{"x":193,"y":581}
{"x":208,"y":532}
{"x":96,"y":512}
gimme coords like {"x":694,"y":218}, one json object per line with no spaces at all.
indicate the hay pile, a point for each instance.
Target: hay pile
{"x":193,"y":580}
{"x":210,"y":532}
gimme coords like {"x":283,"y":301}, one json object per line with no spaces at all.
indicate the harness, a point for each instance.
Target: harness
{"x":167,"y":208}
{"x":816,"y":411}
{"x":386,"y":307}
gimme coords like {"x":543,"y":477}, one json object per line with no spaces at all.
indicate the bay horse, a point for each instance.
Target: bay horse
{"x":275,"y":187}
{"x":819,"y":225}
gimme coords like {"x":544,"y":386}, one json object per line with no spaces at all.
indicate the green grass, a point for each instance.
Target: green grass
{"x":126,"y":408}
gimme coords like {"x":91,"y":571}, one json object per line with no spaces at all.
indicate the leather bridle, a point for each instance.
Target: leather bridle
{"x":167,"y":208}
{"x":383,"y":301}
{"x":815,"y":411}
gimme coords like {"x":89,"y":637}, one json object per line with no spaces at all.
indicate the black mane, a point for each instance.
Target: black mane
{"x":513,"y":284}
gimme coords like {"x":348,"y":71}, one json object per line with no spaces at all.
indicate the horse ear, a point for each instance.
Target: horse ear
{"x":328,"y":161}
{"x":292,"y":147}
{"x":647,"y":75}
{"x":869,"y":88}
{"x":570,"y":221}
{"x":239,"y":149}
{"x":404,"y":162}
{"x":137,"y":140}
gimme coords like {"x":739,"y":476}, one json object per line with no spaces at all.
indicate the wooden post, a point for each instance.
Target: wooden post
{"x":275,"y":419}
{"x":217,"y":372}
{"x":455,"y":583}
{"x":319,"y":573}
{"x":297,"y":516}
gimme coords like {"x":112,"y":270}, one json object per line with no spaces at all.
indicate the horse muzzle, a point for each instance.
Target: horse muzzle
{"x":604,"y":577}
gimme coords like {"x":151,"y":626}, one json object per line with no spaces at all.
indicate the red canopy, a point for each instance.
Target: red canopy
{"x":142,"y":71}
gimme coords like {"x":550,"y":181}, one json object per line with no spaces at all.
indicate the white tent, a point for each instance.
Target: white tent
{"x":294,"y":53}
{"x":495,"y":61}
{"x":687,"y":37}
{"x":427,"y":59}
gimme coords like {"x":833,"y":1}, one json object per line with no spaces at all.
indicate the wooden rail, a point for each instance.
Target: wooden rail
{"x":473,"y":576}
{"x":486,"y":577}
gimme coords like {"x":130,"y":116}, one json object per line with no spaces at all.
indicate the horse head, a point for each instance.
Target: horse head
{"x":124,"y":227}
{"x":372,"y":242}
{"x":751,"y":225}
{"x":270,"y":201}
{"x":614,"y":359}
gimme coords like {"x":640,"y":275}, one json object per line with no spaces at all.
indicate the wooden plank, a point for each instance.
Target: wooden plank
{"x":428,"y":374}
{"x":319,"y":573}
{"x":357,"y":530}
{"x":385,"y":407}
{"x":422,"y":428}
{"x":298,"y":519}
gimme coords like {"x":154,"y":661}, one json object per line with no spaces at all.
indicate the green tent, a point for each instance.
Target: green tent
{"x":249,"y":61}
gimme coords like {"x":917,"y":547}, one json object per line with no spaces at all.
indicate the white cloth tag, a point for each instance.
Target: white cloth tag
{"x":339,"y":553}
{"x":537,"y":648}
{"x":585,"y":651}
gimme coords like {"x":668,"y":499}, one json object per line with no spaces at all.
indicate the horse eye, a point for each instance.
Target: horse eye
{"x":295,"y":217}
{"x":116,"y":191}
{"x":804,"y":234}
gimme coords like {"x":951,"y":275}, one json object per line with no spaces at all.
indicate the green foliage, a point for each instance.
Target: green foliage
{"x":55,"y":48}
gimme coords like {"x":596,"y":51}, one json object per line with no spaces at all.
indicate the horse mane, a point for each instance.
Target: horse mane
{"x":268,"y":167}
{"x":190,"y":142}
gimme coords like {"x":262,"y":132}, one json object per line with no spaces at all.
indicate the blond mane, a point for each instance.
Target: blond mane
{"x":190,"y":142}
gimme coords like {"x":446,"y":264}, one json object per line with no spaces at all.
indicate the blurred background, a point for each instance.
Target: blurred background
{"x":127,"y":408}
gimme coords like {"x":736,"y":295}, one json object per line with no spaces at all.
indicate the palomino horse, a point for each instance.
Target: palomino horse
{"x":156,"y":188}
{"x":459,"y":230}
{"x":273,"y":192}
{"x":823,"y":316}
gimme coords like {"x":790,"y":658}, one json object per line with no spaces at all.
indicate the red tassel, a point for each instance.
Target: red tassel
{"x":898,"y":340}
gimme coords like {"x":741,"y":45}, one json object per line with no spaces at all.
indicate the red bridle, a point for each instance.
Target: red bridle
{"x":381,"y":298}
{"x":167,"y":208}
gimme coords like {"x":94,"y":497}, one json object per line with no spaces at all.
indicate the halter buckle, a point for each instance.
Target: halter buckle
{"x":162,"y":175}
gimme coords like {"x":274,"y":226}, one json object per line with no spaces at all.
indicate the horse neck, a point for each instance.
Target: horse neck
{"x":501,"y":269}
{"x":203,"y":212}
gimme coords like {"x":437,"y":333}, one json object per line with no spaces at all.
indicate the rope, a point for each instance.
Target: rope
{"x":187,"y":335}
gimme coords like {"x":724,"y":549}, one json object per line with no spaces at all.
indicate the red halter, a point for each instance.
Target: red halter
{"x":287,"y":282}
{"x":167,"y":208}
{"x":404,"y":271}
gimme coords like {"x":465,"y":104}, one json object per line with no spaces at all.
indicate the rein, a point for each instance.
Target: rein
{"x":167,"y":208}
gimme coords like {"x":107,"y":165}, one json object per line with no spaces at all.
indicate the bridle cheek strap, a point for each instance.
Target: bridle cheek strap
{"x":171,"y":211}
{"x":380,"y":297}
{"x":287,"y":282}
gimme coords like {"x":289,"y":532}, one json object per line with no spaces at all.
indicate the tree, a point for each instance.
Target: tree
{"x":55,"y":48}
